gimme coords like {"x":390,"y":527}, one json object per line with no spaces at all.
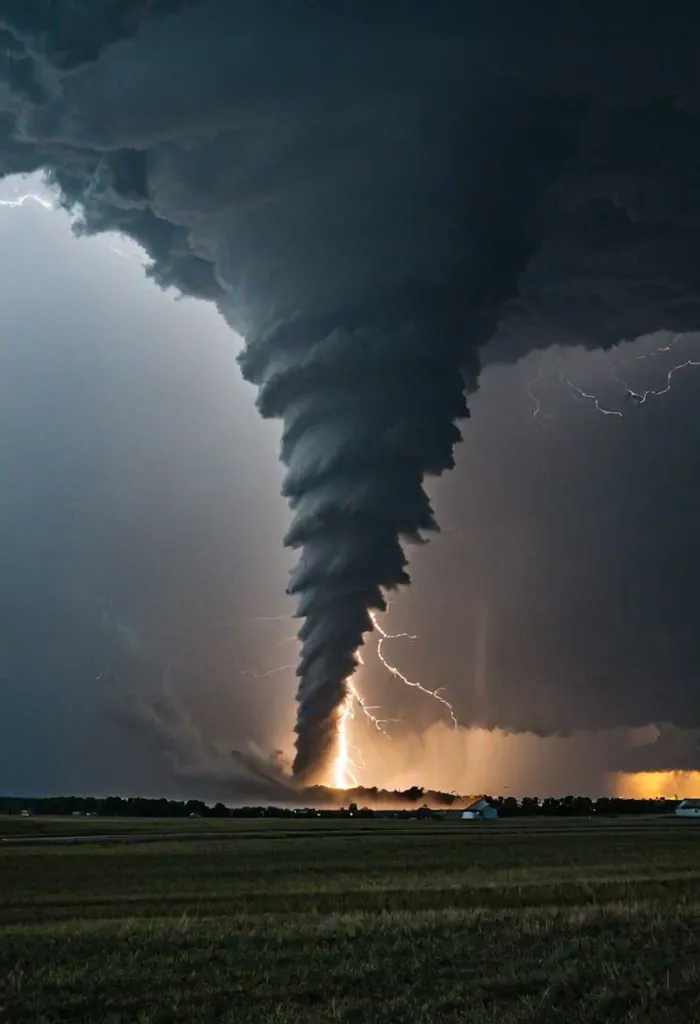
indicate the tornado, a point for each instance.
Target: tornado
{"x":378,"y":197}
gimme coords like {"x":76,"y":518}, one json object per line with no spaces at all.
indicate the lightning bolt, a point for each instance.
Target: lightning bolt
{"x":534,"y":399}
{"x":638,"y":397}
{"x":659,"y":351}
{"x":345,"y":766}
{"x":435,"y":694}
{"x":641,"y":398}
{"x":29,"y":197}
{"x":270,"y":672}
{"x":589,"y":397}
{"x":354,"y":695}
{"x":369,"y":709}
{"x":537,"y":412}
{"x":46,"y":204}
{"x":343,"y":769}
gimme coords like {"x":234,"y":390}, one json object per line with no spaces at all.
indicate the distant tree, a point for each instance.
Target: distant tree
{"x":583,"y":805}
{"x":509,"y":807}
{"x":413,"y":794}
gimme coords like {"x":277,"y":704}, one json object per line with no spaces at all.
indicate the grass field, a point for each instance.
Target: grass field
{"x":285,"y":921}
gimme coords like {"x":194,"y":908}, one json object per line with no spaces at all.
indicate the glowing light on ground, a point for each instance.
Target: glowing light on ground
{"x":343,"y":776}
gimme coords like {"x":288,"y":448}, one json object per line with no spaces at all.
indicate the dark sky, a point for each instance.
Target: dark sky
{"x":140,"y":489}
{"x":387,"y":200}
{"x":136,"y":475}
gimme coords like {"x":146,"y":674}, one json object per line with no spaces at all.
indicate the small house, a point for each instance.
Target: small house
{"x":688,"y":809}
{"x":479,"y":810}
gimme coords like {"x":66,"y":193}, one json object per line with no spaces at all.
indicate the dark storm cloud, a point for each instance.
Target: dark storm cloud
{"x":672,"y":750}
{"x":578,"y":537}
{"x":370,"y":192}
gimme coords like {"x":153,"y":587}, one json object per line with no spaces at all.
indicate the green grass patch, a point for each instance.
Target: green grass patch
{"x":410,"y":925}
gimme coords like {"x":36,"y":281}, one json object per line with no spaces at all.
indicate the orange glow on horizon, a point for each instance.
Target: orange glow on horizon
{"x":476,"y":760}
{"x":652,"y":785}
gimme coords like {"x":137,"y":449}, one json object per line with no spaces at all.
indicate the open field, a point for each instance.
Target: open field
{"x":15,"y":828}
{"x":281,"y":921}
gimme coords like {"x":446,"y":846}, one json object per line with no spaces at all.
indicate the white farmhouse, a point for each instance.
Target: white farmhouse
{"x":688,"y":809}
{"x":480,"y":809}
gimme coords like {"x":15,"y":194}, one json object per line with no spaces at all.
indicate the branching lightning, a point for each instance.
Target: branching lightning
{"x":369,"y":709}
{"x":435,"y":694}
{"x":588,"y":396}
{"x":344,"y":767}
{"x":641,"y":397}
{"x":638,"y":397}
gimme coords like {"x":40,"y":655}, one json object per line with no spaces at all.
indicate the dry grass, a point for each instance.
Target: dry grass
{"x":413,"y":924}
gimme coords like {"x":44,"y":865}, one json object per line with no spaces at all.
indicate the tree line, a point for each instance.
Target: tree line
{"x":412,"y":801}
